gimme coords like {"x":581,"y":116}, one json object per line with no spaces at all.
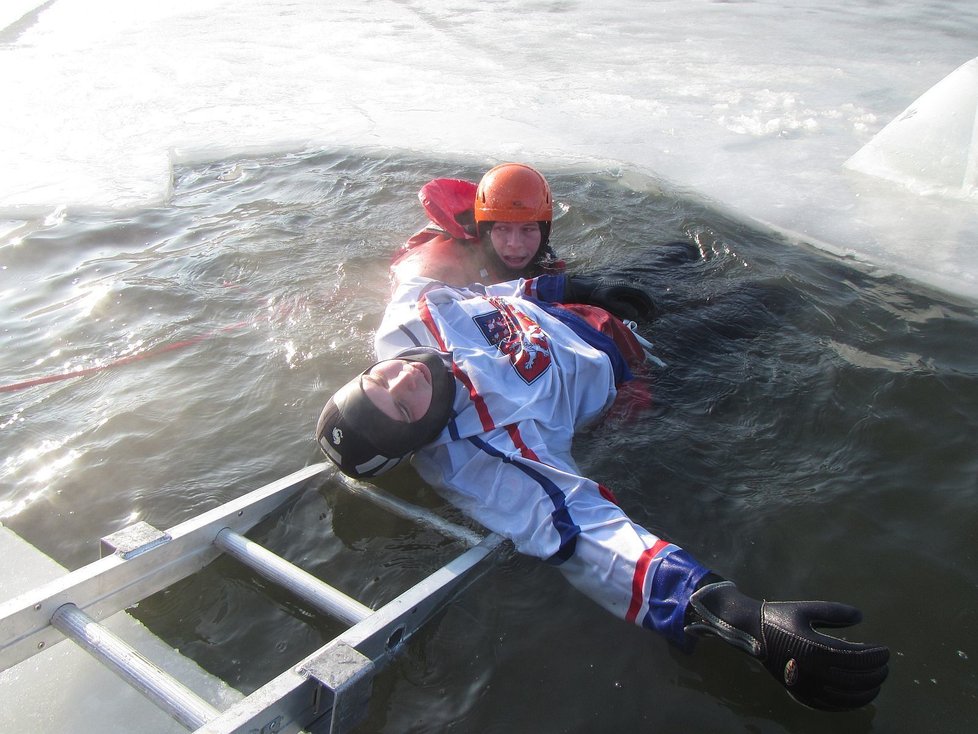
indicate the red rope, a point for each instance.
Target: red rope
{"x":14,"y":387}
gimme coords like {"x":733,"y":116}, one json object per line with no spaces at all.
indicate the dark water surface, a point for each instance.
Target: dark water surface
{"x":814,"y":436}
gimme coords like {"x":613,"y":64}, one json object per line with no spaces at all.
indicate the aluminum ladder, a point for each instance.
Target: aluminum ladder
{"x":328,"y":691}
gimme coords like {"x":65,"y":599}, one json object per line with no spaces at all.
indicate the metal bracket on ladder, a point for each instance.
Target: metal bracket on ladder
{"x":345,"y":678}
{"x":326,"y":692}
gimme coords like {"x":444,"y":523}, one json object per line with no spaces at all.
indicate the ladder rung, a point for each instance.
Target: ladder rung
{"x":166,"y":692}
{"x":276,"y":569}
{"x":118,"y":581}
{"x":144,"y":560}
{"x":288,"y":699}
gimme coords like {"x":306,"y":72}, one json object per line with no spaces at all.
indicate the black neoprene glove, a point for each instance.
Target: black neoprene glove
{"x":818,"y":670}
{"x":616,"y":296}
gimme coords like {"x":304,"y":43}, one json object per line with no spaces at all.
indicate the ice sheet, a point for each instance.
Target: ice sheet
{"x":756,"y":105}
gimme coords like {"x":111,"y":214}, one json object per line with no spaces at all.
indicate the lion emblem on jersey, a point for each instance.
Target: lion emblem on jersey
{"x":517,"y":336}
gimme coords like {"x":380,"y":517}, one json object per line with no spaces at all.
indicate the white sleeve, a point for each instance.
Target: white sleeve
{"x":401,"y":327}
{"x":398,"y":335}
{"x":541,"y":503}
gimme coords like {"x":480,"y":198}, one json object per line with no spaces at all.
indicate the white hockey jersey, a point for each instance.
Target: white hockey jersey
{"x":526,"y":380}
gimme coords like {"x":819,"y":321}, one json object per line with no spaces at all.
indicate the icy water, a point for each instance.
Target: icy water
{"x":814,"y":436}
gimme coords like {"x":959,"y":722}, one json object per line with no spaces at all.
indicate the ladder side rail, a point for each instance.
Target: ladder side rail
{"x":395,"y":622}
{"x":116,"y":582}
{"x":303,"y":584}
{"x":166,"y":692}
{"x":409,"y":511}
{"x":296,"y":699}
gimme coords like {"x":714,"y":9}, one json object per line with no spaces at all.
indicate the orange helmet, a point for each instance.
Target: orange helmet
{"x":513,"y":192}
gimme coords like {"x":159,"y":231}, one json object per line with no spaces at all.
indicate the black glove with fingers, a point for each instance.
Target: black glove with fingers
{"x":818,"y":670}
{"x":615,"y":296}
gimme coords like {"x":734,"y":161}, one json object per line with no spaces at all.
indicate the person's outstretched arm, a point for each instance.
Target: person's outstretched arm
{"x":614,"y":295}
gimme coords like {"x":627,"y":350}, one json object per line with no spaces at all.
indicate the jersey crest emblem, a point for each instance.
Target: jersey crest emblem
{"x":517,"y":336}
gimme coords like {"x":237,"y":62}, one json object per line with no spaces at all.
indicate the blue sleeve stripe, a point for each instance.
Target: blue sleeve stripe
{"x":566,"y":528}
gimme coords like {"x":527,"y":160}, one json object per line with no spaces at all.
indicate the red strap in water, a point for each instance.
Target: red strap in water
{"x":14,"y":387}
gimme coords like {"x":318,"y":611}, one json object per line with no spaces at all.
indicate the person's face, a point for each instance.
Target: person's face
{"x":399,"y":388}
{"x":515,"y":243}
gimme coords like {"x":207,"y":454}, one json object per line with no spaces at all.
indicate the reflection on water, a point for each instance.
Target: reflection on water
{"x":813,"y":435}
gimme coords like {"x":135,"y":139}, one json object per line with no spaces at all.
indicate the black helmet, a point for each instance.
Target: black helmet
{"x":363,"y":441}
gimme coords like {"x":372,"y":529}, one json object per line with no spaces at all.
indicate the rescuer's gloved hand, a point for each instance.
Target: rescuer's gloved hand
{"x":818,"y":670}
{"x":616,"y":296}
